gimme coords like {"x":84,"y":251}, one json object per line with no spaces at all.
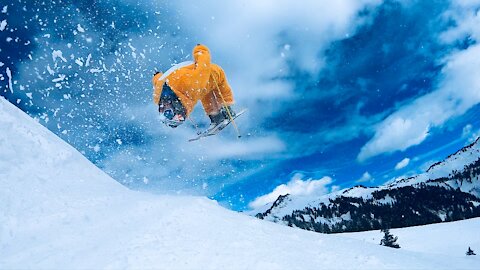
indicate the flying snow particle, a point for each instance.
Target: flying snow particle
{"x":1,"y":64}
{"x":145,"y":180}
{"x":58,"y":54}
{"x":50,"y":70}
{"x":29,"y":95}
{"x":205,"y":186}
{"x":89,"y":57}
{"x":80,"y":28}
{"x":3,"y":25}
{"x":95,"y":70}
{"x":96,"y":148}
{"x":79,"y":62}
{"x":9,"y":75}
{"x":60,"y":78}
{"x":119,"y":141}
{"x":4,"y":10}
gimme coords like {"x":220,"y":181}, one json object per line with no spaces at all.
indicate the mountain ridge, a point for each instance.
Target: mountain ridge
{"x":447,"y":191}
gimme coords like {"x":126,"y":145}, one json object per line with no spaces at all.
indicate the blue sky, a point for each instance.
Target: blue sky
{"x":339,"y":94}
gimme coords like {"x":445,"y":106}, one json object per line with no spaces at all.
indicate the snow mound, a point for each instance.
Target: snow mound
{"x":59,"y":211}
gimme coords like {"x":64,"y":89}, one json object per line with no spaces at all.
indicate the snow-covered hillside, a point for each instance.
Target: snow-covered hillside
{"x":444,"y":238}
{"x":59,"y":211}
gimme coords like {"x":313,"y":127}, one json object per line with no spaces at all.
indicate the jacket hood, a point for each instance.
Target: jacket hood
{"x":199,"y":50}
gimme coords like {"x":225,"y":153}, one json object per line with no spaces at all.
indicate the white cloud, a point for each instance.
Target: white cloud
{"x":410,"y":125}
{"x":467,"y":16}
{"x":470,"y":134}
{"x":366,"y":177}
{"x":402,"y":164}
{"x":296,"y":187}
{"x":458,"y":92}
{"x":467,"y":130}
{"x":224,"y":147}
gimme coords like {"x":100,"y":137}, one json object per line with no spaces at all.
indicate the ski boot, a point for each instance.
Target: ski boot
{"x":220,"y":120}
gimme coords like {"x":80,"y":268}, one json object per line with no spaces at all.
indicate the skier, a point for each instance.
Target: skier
{"x":178,"y":90}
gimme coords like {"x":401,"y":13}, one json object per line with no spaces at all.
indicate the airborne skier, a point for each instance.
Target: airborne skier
{"x":178,"y":90}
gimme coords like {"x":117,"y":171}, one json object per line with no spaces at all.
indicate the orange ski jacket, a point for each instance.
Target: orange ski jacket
{"x":201,"y":80}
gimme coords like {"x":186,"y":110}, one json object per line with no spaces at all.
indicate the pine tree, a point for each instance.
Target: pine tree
{"x":470,"y":252}
{"x":389,"y":240}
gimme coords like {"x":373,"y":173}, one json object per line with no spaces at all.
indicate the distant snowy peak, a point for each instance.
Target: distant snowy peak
{"x":447,"y":191}
{"x":454,"y":163}
{"x":458,"y":160}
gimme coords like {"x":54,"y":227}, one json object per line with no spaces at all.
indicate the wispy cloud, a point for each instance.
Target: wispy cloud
{"x":366,"y":177}
{"x":410,"y":125}
{"x":402,"y":164}
{"x":457,"y":92}
{"x":470,"y":134}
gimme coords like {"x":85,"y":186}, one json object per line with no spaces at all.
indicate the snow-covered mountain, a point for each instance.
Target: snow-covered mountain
{"x":58,"y":211}
{"x":447,"y":191}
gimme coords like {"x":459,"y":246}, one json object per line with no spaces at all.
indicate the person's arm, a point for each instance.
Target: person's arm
{"x":224,"y":87}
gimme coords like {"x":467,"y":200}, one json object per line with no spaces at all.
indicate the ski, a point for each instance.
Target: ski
{"x":216,"y":131}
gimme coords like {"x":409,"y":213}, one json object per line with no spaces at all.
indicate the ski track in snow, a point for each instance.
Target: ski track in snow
{"x":60,"y":211}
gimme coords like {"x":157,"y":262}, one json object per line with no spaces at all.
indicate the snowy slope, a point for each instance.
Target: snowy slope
{"x":59,"y":211}
{"x":444,"y":238}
